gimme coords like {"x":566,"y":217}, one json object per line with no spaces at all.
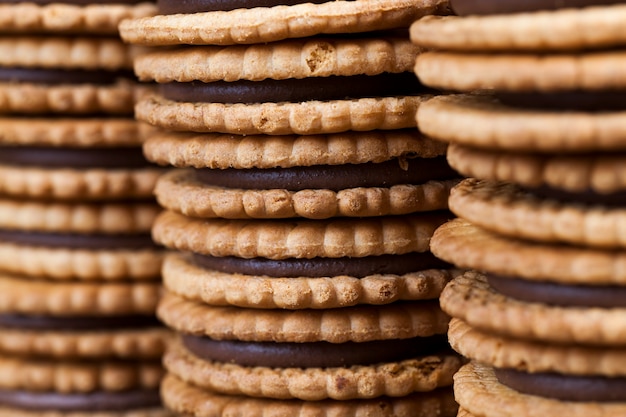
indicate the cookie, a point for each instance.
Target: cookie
{"x":50,"y":17}
{"x":243,"y":23}
{"x":564,"y":29}
{"x":510,"y":210}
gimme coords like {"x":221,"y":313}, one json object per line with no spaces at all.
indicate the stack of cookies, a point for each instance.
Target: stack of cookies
{"x":541,"y":135}
{"x":300,"y":210}
{"x":79,"y":274}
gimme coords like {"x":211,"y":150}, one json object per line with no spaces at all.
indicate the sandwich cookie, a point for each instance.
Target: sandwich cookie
{"x":311,"y":86}
{"x":210,"y":22}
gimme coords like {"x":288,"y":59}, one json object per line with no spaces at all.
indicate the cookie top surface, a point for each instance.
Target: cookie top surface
{"x":528,"y":356}
{"x":506,"y":209}
{"x":280,"y":239}
{"x":59,"y":17}
{"x":300,"y":58}
{"x":481,"y":121}
{"x":357,"y":324}
{"x":556,"y":30}
{"x":521,"y":72}
{"x":268,"y":24}
{"x":469,"y":297}
{"x":468,"y":246}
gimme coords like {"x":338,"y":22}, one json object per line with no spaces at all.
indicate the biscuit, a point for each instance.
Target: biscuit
{"x":558,"y":30}
{"x":506,"y":209}
{"x":184,"y":398}
{"x":260,"y":25}
{"x":297,"y":239}
{"x":184,"y":278}
{"x":480,"y":121}
{"x":27,"y":17}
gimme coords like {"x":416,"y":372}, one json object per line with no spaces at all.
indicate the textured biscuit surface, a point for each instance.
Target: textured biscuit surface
{"x":29,"y":17}
{"x":279,"y":61}
{"x":480,"y":121}
{"x":302,"y":238}
{"x":259,"y":25}
{"x":394,"y":379}
{"x":478,"y":390}
{"x":503,"y":352}
{"x":182,"y":277}
{"x":180,"y":191}
{"x":565,"y":29}
{"x":304,"y":118}
{"x":192,"y":401}
{"x":357,"y":324}
{"x":220,"y":151}
{"x":469,"y":246}
{"x":506,"y":209}
{"x":470,"y":298}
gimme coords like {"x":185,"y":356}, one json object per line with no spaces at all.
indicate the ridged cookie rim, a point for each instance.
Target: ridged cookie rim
{"x":469,"y":297}
{"x":180,"y":191}
{"x":357,"y":324}
{"x":468,"y":246}
{"x":259,"y":25}
{"x":506,"y":209}
{"x":560,"y":30}
{"x":303,"y":118}
{"x":478,"y":120}
{"x":182,"y":277}
{"x":395,"y":379}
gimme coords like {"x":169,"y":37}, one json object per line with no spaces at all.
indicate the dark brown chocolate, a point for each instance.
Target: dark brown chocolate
{"x":616,"y":199}
{"x":311,"y":355}
{"x":487,"y":7}
{"x":587,"y":101}
{"x":79,"y":158}
{"x":195,"y":6}
{"x":61,"y":76}
{"x":565,"y":387}
{"x":294,"y":90}
{"x":69,"y":323}
{"x":77,"y":241}
{"x":331,"y":177}
{"x":559,"y":294}
{"x":93,"y":401}
{"x":322,"y":267}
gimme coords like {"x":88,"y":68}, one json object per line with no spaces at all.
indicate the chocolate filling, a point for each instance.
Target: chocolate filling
{"x":94,"y":401}
{"x":77,"y":241}
{"x":559,"y":294}
{"x":61,"y":76}
{"x":486,"y":7}
{"x":294,"y":90}
{"x":588,"y":101}
{"x":69,"y":323}
{"x":322,"y":267}
{"x":311,"y":355}
{"x":331,"y":177}
{"x":51,"y":157}
{"x":585,"y":197}
{"x":564,"y":387}
{"x":195,"y":6}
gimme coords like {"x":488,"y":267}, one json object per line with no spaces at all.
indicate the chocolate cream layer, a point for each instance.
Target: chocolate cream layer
{"x":565,"y":387}
{"x":559,"y":294}
{"x":614,"y":199}
{"x":295,"y":90}
{"x":73,"y":323}
{"x":79,"y":158}
{"x":195,"y":6}
{"x":311,"y":355}
{"x":332,"y":177}
{"x":52,"y":76}
{"x":94,"y":241}
{"x":587,"y":101}
{"x":488,"y":7}
{"x":93,"y":401}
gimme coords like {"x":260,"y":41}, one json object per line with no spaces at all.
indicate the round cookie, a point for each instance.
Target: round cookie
{"x":269,"y":24}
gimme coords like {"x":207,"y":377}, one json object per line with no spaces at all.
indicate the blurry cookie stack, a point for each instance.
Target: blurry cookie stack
{"x":300,"y":211}
{"x":541,"y":134}
{"x":79,"y":275}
